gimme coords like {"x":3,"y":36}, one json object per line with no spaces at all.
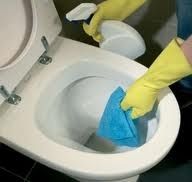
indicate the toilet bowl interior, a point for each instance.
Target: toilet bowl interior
{"x":71,"y":106}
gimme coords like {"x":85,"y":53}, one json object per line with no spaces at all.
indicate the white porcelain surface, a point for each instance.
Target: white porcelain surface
{"x":20,"y":128}
{"x":70,"y":107}
{"x":131,"y":179}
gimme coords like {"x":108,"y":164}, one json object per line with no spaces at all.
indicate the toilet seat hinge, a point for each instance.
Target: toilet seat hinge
{"x":44,"y":59}
{"x":10,"y":98}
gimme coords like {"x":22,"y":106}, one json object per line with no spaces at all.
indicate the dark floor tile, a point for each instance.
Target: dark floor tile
{"x":182,"y":149}
{"x":43,"y":173}
{"x":14,"y":161}
{"x":8,"y":177}
{"x":183,"y":96}
{"x":177,"y":173}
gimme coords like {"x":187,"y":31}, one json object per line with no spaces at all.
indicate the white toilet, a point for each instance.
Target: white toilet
{"x":59,"y":104}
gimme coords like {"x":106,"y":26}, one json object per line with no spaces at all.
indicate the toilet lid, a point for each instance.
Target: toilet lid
{"x":16,"y":23}
{"x":24,"y":26}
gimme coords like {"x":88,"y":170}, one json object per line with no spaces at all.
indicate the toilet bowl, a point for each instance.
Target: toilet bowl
{"x":61,"y":104}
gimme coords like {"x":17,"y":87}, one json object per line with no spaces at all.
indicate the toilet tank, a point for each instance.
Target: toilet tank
{"x":23,"y":24}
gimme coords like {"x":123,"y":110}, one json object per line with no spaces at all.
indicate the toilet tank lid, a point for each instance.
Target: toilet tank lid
{"x":16,"y":26}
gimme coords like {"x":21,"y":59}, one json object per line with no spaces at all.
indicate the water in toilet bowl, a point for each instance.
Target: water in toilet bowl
{"x":72,"y":114}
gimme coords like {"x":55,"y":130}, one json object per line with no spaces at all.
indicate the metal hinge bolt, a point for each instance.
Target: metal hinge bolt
{"x":44,"y":59}
{"x":10,"y":98}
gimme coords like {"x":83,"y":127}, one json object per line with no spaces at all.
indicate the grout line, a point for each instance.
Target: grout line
{"x":10,"y":172}
{"x":28,"y":174}
{"x":187,"y":105}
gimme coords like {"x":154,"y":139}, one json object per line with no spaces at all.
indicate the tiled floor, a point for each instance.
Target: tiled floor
{"x":176,"y":167}
{"x":15,"y":167}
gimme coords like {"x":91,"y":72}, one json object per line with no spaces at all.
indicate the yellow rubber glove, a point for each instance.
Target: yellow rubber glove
{"x":111,"y":10}
{"x":169,"y":67}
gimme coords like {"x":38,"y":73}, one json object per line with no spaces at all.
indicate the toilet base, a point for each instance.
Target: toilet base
{"x":132,"y":179}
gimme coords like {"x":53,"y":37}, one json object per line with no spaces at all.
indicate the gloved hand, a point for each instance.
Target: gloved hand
{"x":111,"y":10}
{"x":170,"y":66}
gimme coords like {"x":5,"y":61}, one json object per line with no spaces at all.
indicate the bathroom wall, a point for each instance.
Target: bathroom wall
{"x":156,"y":22}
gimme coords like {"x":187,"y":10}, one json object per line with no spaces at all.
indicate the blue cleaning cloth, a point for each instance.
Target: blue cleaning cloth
{"x":116,"y":125}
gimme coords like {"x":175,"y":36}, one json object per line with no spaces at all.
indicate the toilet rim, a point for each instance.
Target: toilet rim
{"x":108,"y":165}
{"x":101,"y":166}
{"x":119,"y":164}
{"x":94,"y":165}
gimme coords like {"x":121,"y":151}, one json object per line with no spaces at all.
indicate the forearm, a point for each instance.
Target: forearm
{"x":187,"y":49}
{"x":128,"y":6}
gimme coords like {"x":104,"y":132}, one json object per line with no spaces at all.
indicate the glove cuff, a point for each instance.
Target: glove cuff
{"x":170,"y":66}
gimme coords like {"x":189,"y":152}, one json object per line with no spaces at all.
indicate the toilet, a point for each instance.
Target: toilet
{"x":52,"y":94}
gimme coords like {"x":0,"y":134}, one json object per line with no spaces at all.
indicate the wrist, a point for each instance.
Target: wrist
{"x":186,"y":47}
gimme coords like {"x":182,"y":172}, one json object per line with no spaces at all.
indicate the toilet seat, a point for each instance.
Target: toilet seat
{"x":14,"y":35}
{"x":20,"y":130}
{"x":26,"y":48}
